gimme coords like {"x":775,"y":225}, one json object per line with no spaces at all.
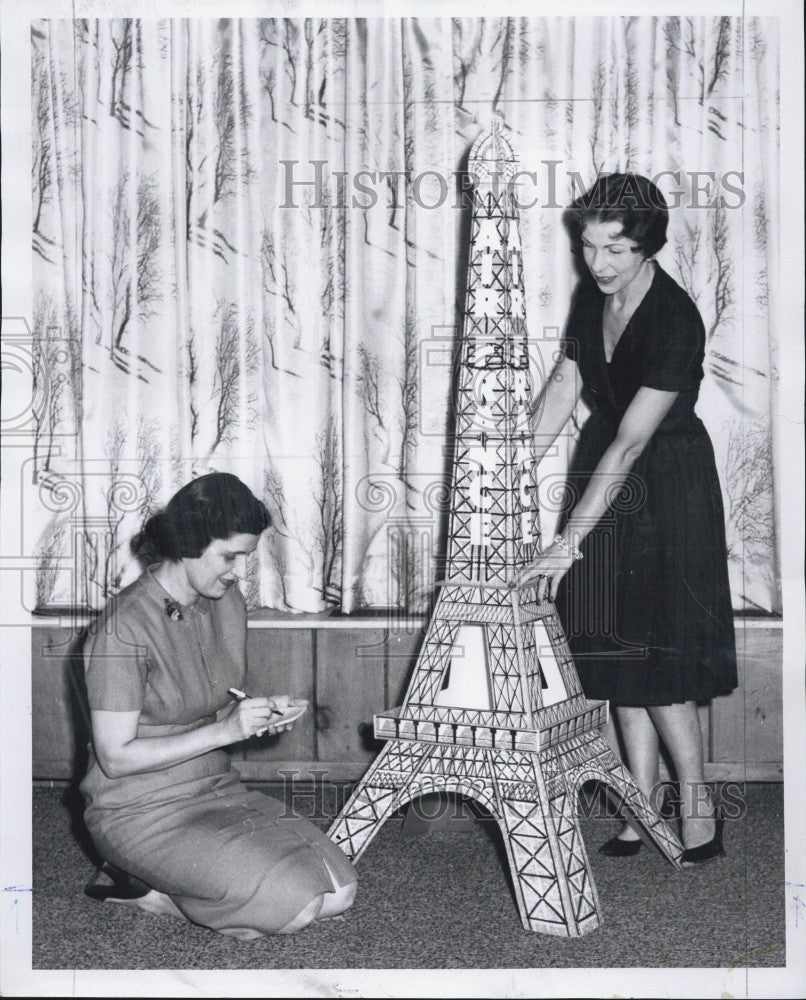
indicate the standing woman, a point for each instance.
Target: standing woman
{"x":179,"y":832}
{"x":646,"y":604}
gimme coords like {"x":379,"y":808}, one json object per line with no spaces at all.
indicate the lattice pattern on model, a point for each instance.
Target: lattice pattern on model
{"x":493,"y":528}
{"x":494,"y":709}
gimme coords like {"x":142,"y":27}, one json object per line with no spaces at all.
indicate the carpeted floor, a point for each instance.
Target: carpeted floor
{"x":440,"y":901}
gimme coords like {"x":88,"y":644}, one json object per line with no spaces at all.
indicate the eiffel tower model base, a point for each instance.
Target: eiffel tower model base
{"x":524,"y":765}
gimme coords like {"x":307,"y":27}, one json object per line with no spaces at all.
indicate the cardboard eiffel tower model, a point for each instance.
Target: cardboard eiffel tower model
{"x":511,"y":729}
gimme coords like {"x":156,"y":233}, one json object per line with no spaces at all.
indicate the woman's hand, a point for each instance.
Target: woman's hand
{"x":284,"y":704}
{"x":247,"y":717}
{"x":546,"y":571}
{"x":120,"y":751}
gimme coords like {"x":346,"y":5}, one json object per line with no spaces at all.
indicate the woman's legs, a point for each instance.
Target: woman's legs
{"x":158,"y":902}
{"x":339,"y":901}
{"x":610,"y":733}
{"x":641,"y":744}
{"x":113,"y":885}
{"x":152,"y":902}
{"x":329,"y":904}
{"x":305,"y":916}
{"x":679,"y":728}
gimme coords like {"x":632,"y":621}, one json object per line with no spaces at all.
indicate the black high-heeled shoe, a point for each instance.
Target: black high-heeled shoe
{"x":618,"y":848}
{"x":709,"y":851}
{"x":113,"y":884}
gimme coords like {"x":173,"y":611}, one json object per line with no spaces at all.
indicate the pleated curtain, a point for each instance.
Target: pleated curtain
{"x":249,"y":249}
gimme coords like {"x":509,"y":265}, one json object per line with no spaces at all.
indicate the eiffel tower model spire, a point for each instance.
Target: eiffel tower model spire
{"x":494,"y":710}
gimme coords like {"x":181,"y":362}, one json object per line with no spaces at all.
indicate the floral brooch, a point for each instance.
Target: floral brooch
{"x":172,"y":610}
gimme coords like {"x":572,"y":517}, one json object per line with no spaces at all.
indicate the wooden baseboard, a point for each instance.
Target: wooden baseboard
{"x":349,"y":675}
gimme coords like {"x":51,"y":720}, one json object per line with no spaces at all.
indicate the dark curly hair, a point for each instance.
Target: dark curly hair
{"x":217,"y":505}
{"x":629,"y":199}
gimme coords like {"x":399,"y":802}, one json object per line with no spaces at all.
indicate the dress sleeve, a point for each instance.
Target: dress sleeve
{"x":115,"y":667}
{"x":675,"y":349}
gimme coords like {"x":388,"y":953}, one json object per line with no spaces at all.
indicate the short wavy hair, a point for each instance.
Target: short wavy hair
{"x":629,"y":199}
{"x":217,"y":505}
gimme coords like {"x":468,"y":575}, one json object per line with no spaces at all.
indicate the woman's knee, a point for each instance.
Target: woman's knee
{"x":346,"y":894}
{"x":305,"y":916}
{"x":339,"y":900}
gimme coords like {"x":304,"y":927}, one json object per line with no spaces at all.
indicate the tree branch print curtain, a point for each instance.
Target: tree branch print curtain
{"x":248,"y":251}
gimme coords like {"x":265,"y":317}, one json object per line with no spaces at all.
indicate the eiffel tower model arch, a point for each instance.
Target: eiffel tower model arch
{"x":494,"y":710}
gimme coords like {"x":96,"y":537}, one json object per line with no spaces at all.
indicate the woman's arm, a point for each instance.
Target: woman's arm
{"x":120,"y":751}
{"x":639,"y":423}
{"x":555,"y":404}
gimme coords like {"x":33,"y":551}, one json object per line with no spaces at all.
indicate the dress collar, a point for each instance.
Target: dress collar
{"x":605,"y":364}
{"x":170,"y":607}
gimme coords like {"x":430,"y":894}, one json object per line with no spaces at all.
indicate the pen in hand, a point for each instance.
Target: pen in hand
{"x":240,"y":695}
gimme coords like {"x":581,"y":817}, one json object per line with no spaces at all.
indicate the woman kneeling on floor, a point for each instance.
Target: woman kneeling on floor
{"x":164,"y":663}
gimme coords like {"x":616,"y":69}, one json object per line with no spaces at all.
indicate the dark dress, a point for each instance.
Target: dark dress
{"x":648,"y":611}
{"x":230,"y":858}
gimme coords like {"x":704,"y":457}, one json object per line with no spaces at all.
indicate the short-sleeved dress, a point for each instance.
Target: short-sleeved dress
{"x":648,"y":611}
{"x":231,"y":859}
